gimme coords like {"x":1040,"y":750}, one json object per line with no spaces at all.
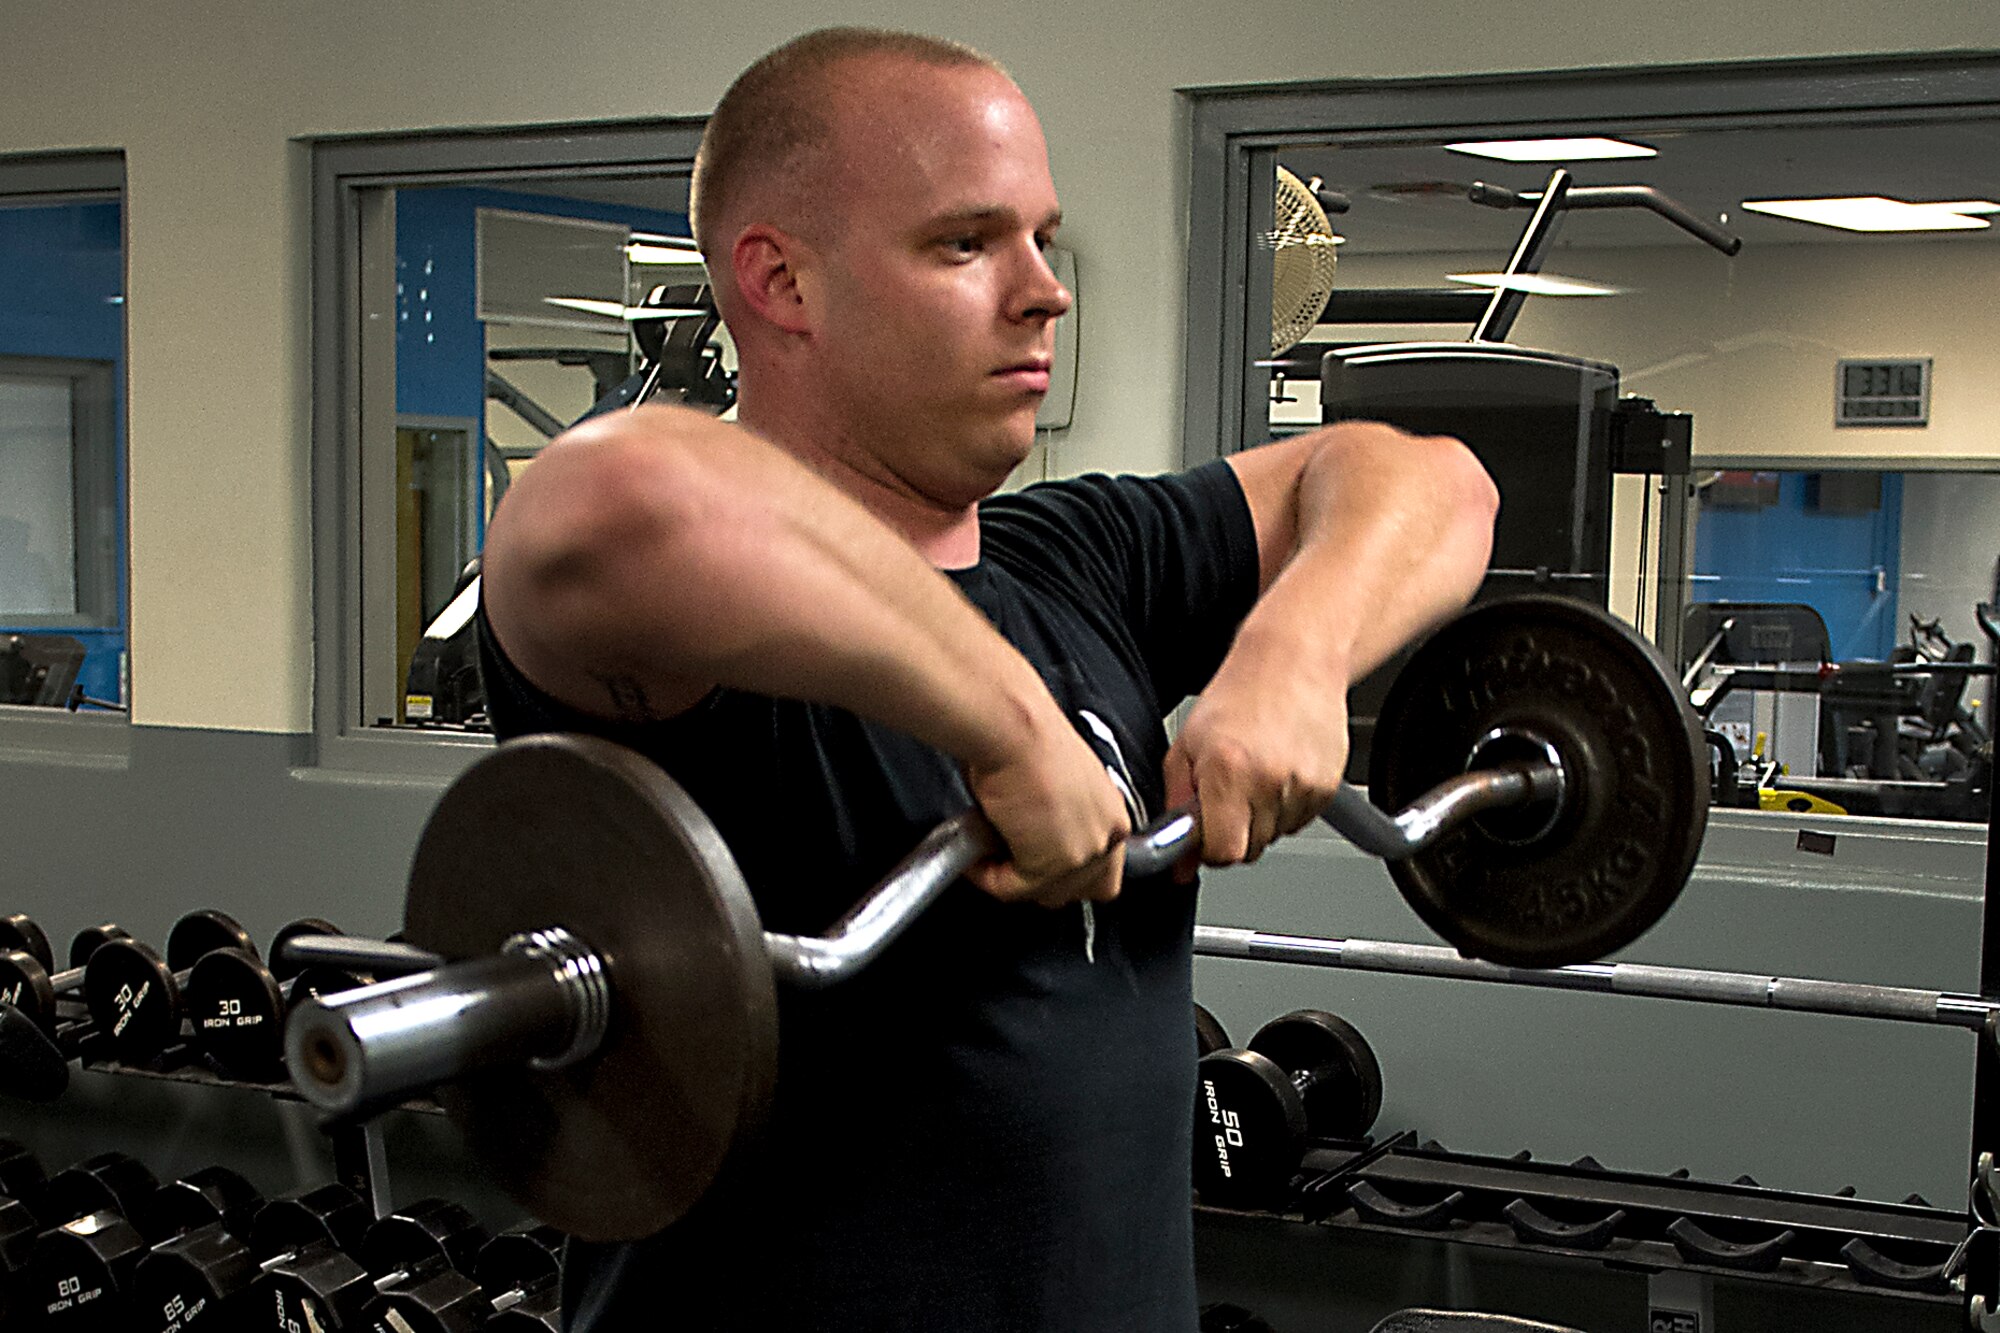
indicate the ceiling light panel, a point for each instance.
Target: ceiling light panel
{"x":1873,"y":213}
{"x":1553,"y":150}
{"x":1536,"y":284}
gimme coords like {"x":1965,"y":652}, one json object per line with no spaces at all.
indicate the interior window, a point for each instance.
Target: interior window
{"x":493,"y":308}
{"x":1759,"y":398}
{"x":62,"y":534}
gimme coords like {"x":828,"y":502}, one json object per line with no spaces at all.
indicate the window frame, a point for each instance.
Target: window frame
{"x":353,"y":547}
{"x":89,"y":737}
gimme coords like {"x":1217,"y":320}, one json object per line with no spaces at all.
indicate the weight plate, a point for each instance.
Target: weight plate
{"x":22,"y":933}
{"x":204,"y":932}
{"x":134,"y":999}
{"x":1249,"y":1128}
{"x":1636,"y":804}
{"x":1343,"y":1104}
{"x":89,"y":938}
{"x":283,"y":968}
{"x":27,"y":987}
{"x":237,"y":1014}
{"x":575,"y":831}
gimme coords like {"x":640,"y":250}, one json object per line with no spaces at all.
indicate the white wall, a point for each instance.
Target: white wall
{"x":208,"y":101}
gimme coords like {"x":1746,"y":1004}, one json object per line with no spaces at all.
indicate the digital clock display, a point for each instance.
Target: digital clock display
{"x":1883,"y":393}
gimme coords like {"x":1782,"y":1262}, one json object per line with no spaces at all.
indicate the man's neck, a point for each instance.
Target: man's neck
{"x":948,"y":537}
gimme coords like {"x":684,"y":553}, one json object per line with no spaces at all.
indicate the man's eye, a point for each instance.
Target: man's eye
{"x":963,"y":245}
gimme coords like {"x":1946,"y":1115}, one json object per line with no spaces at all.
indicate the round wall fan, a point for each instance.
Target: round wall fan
{"x":1302,"y":265}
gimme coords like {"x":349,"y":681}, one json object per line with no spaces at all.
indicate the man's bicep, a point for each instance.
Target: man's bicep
{"x":1269,"y":475}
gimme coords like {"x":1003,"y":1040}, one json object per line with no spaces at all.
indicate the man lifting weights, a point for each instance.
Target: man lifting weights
{"x":819,"y":622}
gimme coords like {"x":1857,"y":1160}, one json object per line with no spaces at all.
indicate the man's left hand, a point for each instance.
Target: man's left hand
{"x":1262,"y":752}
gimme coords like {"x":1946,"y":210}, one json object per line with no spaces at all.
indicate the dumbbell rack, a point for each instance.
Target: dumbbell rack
{"x":1632,"y":1221}
{"x":359,"y":1159}
{"x":1910,"y":1251}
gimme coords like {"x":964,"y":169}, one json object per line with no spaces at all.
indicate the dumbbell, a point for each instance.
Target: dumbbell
{"x":21,"y":1183}
{"x":203,"y":1279}
{"x":135,"y":997}
{"x":236,"y":1003}
{"x":521,"y":1271}
{"x":26,"y":981}
{"x":1304,"y":1075}
{"x":1209,"y":1034}
{"x":83,"y":1272}
{"x":329,"y":1289}
{"x":515,"y":1284}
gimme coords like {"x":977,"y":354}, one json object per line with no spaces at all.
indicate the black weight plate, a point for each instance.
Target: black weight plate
{"x":236,"y":1013}
{"x":1636,"y":805}
{"x":134,"y":1000}
{"x":578,"y":832}
{"x":1249,"y":1128}
{"x":89,"y":938}
{"x":321,"y":1215}
{"x":281,"y":967}
{"x":204,"y":932}
{"x":26,"y":986}
{"x":1209,"y":1034}
{"x":22,"y":933}
{"x":1347,"y":1097}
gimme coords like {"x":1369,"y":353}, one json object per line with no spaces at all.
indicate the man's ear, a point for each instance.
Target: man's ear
{"x":773,"y":275}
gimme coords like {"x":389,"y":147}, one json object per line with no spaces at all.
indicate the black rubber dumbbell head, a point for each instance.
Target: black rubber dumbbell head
{"x":79,"y":1278}
{"x":135,"y":995}
{"x":1209,"y":1034}
{"x":1306,"y":1075}
{"x":25,"y":979}
{"x":236,"y":1009}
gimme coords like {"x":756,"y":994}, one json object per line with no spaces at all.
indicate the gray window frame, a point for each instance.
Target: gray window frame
{"x":1236,"y":133}
{"x":353,"y":550}
{"x":89,"y":737}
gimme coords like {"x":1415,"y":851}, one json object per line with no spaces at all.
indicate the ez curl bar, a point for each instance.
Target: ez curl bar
{"x":607,"y":1033}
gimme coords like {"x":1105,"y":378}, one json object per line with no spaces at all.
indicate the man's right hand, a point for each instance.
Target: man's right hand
{"x":1063,"y":820}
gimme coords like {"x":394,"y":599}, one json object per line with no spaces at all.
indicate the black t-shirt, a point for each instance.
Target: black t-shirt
{"x":988,"y":1128}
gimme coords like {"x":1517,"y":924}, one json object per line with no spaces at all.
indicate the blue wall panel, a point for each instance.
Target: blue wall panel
{"x":1845,"y":566}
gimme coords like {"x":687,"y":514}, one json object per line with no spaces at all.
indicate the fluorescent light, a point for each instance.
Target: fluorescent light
{"x":613,"y":310}
{"x":1535,"y":284}
{"x":1553,"y":150}
{"x":1873,"y":213}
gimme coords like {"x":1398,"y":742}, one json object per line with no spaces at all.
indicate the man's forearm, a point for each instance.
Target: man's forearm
{"x":1386,"y":543}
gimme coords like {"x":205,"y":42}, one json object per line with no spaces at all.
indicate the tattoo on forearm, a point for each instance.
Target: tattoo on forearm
{"x":628,"y":698}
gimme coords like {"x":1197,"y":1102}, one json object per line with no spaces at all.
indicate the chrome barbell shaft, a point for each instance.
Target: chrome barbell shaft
{"x":1855,"y":999}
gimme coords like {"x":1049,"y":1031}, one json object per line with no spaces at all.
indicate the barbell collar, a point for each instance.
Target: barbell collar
{"x":1701,"y":985}
{"x":1439,"y":810}
{"x":358,"y":1051}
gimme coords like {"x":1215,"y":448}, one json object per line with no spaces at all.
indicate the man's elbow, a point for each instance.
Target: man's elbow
{"x":1472,"y":502}
{"x":571,"y":528}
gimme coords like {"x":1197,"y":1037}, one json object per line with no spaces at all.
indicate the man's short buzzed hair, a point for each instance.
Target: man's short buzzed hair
{"x":775,"y":115}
